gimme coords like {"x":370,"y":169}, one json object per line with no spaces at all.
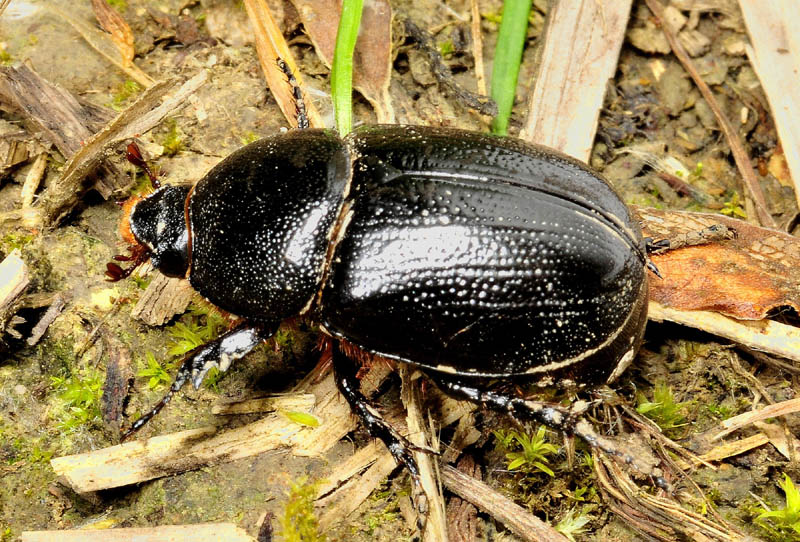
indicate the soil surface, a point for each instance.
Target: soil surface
{"x":50,"y":402}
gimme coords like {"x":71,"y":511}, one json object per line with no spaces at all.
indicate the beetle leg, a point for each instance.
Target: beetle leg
{"x":349,"y":386}
{"x":712,"y":234}
{"x":569,"y":421}
{"x":297,"y":93}
{"x":219,"y":353}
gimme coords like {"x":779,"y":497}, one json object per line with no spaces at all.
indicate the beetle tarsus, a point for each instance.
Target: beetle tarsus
{"x":401,"y":449}
{"x":297,"y":93}
{"x":569,"y":421}
{"x":219,"y":353}
{"x":712,"y":234}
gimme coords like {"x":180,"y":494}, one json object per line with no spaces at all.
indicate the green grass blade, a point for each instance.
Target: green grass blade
{"x":342,"y":69}
{"x":507,"y":58}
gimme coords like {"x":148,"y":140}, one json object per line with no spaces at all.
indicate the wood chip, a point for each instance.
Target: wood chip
{"x":582,"y":41}
{"x":163,"y":298}
{"x":787,"y":445}
{"x":201,"y":532}
{"x":47,"y":318}
{"x":729,"y":449}
{"x":33,"y":179}
{"x":113,"y":23}
{"x":119,"y":377}
{"x":295,"y":402}
{"x":57,"y":114}
{"x":152,"y":106}
{"x":767,"y":335}
{"x":420,"y":434}
{"x":463,"y":524}
{"x":103,"y":44}
{"x":747,"y":277}
{"x":355,"y":490}
{"x":137,"y":461}
{"x":13,"y":278}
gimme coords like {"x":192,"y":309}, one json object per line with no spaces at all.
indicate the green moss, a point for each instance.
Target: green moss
{"x":142,"y":282}
{"x":783,"y":524}
{"x":733,"y":207}
{"x":172,"y":141}
{"x":158,"y":375}
{"x":719,"y":412}
{"x":574,"y":522}
{"x":663,"y":409}
{"x":446,"y":48}
{"x":492,"y":17}
{"x":299,"y":524}
{"x":526,"y":452}
{"x":60,"y":354}
{"x":119,"y":5}
{"x":5,"y":58}
{"x":126,"y":91}
{"x":249,"y":137}
{"x":80,"y":398}
{"x":14,"y":240}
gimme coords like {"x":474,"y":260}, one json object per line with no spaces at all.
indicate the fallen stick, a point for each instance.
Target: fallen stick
{"x":145,"y":113}
{"x":201,"y":532}
{"x":765,"y":335}
{"x":743,"y":420}
{"x":420,"y":434}
{"x":775,"y":55}
{"x":138,"y":461}
{"x":518,"y":520}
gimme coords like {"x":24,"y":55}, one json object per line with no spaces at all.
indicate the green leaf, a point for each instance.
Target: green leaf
{"x":302,"y":418}
{"x":342,"y":67}
{"x":507,"y":58}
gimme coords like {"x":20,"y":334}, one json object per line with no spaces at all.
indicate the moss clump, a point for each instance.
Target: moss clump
{"x":124,"y":93}
{"x":299,"y":524}
{"x":663,"y":409}
{"x":172,"y":140}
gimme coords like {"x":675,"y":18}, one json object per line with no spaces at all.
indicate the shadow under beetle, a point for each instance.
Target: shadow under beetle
{"x":478,"y":259}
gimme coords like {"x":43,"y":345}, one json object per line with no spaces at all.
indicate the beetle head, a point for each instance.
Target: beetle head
{"x":157,"y":224}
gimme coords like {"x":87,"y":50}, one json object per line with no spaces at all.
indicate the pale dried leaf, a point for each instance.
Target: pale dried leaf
{"x":113,"y":23}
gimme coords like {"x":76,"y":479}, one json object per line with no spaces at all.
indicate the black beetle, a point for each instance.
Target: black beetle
{"x":476,"y":258}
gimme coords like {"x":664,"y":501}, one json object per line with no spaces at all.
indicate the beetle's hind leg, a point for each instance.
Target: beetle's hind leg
{"x":219,"y":353}
{"x":712,"y":234}
{"x":297,"y":93}
{"x":402,"y":450}
{"x":569,"y":421}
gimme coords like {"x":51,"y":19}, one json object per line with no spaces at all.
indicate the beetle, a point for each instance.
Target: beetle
{"x":475,"y":258}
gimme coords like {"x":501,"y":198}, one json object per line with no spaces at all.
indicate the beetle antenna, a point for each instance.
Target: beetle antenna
{"x":134,"y":156}
{"x":297,"y":93}
{"x":114,"y":272}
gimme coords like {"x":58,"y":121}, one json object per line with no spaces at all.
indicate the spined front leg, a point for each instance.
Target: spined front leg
{"x":402,"y":450}
{"x":219,"y":353}
{"x":569,"y":421}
